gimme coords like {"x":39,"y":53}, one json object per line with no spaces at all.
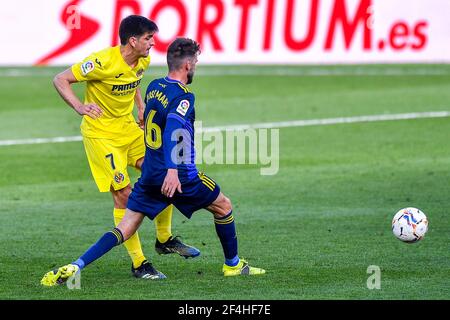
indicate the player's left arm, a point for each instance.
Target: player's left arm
{"x":177,"y":116}
{"x":140,"y":106}
{"x":171,"y":182}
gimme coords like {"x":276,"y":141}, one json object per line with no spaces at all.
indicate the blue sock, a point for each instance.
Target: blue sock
{"x":108,"y":241}
{"x":226,"y":231}
{"x":232,"y":262}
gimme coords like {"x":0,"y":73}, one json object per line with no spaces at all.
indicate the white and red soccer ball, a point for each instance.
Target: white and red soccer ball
{"x":409,"y":225}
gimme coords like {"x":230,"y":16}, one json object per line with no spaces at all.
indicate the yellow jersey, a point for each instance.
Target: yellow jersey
{"x":111,"y":84}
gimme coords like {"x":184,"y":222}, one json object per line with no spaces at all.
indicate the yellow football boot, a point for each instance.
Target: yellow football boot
{"x":242,"y":268}
{"x":60,"y":275}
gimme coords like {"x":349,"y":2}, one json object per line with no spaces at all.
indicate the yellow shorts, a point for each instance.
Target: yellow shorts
{"x":109,"y":158}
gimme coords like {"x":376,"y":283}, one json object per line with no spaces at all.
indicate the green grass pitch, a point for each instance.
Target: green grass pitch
{"x":315,"y":226}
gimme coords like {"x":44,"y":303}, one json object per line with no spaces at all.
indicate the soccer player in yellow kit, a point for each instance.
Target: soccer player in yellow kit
{"x":112,"y":138}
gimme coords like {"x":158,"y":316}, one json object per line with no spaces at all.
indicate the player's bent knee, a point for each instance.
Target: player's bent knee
{"x":139,"y":163}
{"x":120,"y":197}
{"x":227,"y":206}
{"x":222,"y":206}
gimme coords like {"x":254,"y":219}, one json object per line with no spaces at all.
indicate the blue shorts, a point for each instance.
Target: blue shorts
{"x":196,"y":194}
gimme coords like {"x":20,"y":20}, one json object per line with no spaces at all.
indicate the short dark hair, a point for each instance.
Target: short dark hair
{"x":135,"y":26}
{"x":180,"y":49}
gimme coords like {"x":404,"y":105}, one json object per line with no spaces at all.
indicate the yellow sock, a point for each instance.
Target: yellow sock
{"x":163,"y":223}
{"x":133,"y":244}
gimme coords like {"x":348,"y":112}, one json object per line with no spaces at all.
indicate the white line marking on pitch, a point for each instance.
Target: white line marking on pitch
{"x":266,"y":125}
{"x":330,"y":121}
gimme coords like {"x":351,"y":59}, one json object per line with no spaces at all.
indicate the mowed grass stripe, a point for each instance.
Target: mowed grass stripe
{"x":265,"y":125}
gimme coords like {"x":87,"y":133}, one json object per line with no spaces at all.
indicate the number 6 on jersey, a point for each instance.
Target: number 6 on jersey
{"x":153,"y":137}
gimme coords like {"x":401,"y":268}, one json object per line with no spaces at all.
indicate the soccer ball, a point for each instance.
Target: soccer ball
{"x":409,"y":225}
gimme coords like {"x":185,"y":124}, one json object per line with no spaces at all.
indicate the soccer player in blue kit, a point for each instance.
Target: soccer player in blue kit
{"x":169,"y":175}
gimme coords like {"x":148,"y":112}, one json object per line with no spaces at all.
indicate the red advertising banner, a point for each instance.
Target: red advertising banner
{"x":59,"y":32}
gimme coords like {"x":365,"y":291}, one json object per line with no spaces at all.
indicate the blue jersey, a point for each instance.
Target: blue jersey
{"x":169,"y":132}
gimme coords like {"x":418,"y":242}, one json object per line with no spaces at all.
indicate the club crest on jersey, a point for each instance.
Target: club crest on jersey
{"x":183,"y":107}
{"x":119,"y":177}
{"x":87,"y":67}
{"x":140,"y":72}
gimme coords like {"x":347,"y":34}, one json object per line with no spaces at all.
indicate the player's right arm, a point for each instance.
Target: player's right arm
{"x":62,"y":83}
